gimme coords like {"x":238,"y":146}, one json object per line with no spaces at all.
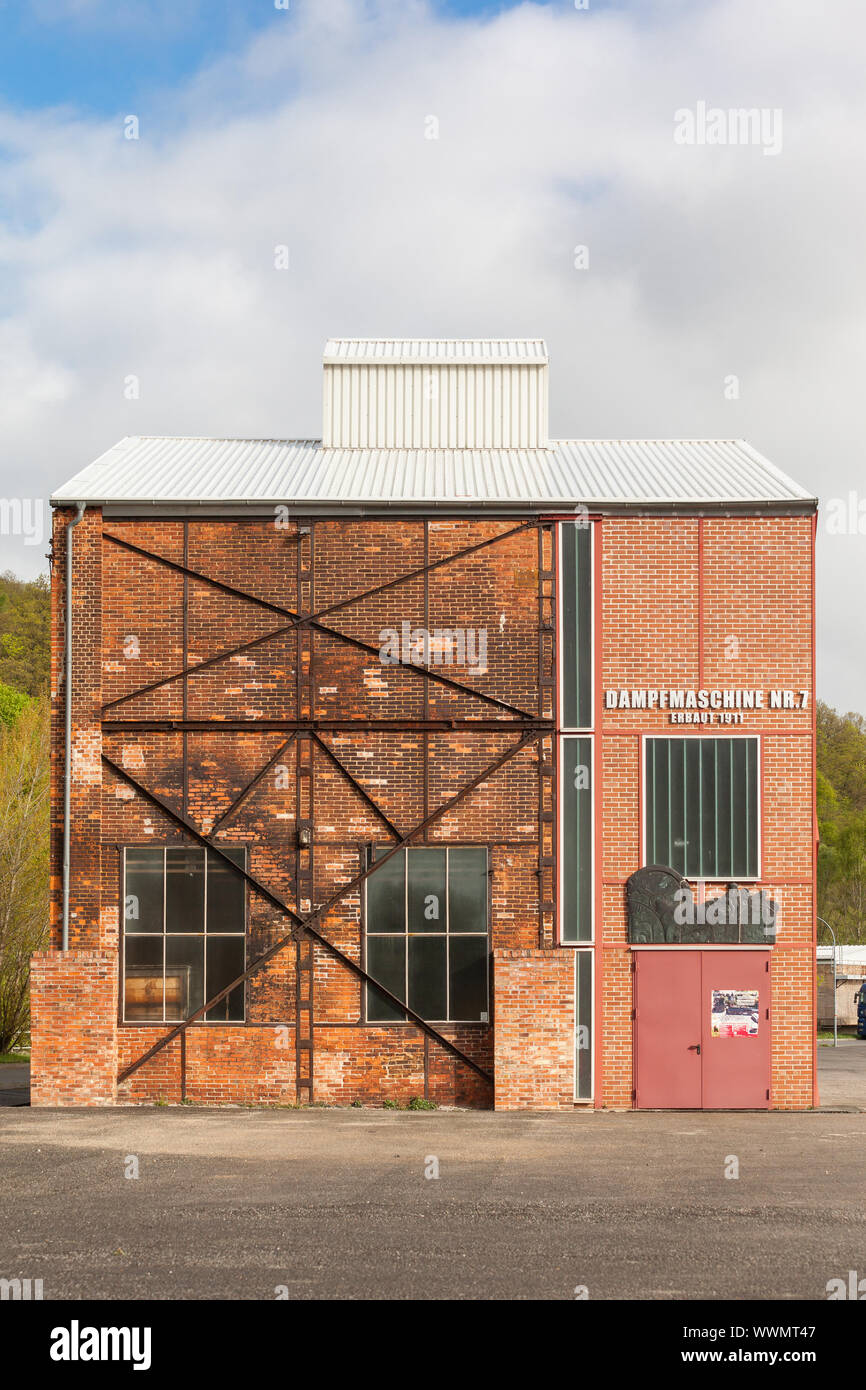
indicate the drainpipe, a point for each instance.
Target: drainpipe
{"x":67,"y":750}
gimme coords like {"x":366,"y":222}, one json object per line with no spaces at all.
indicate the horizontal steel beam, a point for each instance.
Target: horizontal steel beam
{"x":336,"y":726}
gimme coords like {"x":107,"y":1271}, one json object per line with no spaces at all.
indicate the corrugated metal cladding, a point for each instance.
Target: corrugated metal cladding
{"x":435,"y":406}
{"x":417,"y":351}
{"x":161,"y":471}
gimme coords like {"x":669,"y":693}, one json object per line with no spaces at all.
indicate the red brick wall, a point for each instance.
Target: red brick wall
{"x":533,"y":1053}
{"x":256,"y":1065}
{"x":73,"y":1002}
{"x":688,"y":604}
{"x":223,"y":1064}
{"x":684,"y":603}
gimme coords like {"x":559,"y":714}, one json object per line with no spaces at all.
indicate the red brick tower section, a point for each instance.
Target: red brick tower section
{"x":690,"y":603}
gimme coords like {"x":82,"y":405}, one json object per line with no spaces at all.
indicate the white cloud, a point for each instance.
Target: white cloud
{"x":155,"y":257}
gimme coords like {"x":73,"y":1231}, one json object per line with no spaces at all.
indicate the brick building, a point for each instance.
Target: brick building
{"x":419,"y":760}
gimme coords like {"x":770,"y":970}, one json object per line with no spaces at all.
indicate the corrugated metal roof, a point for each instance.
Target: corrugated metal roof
{"x":436,"y":351}
{"x":162,"y":470}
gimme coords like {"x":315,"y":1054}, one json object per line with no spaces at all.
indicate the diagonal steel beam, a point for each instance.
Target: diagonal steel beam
{"x":301,"y":620}
{"x":424,"y":671}
{"x":251,"y":785}
{"x":428,"y":568}
{"x":196,"y":574}
{"x":353,"y":781}
{"x":306,"y":924}
{"x":200,"y":666}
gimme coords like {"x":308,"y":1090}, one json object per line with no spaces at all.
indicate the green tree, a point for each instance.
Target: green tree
{"x":24,"y":829}
{"x":25,"y":633}
{"x":12,"y":702}
{"x":841,"y":805}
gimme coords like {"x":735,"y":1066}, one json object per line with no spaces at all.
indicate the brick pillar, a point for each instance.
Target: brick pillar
{"x":73,"y":1004}
{"x":533,"y":1057}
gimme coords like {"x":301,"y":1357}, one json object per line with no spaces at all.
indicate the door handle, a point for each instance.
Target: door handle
{"x":695,"y":1047}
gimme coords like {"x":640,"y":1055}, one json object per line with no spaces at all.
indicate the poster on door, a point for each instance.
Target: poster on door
{"x":734,"y":1013}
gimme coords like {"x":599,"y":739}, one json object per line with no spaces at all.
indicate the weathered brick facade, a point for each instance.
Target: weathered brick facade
{"x":681,"y":601}
{"x":152,"y":621}
{"x":534,"y":1049}
{"x":73,"y":1003}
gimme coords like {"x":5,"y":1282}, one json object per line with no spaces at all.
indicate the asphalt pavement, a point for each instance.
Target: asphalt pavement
{"x":239,"y":1203}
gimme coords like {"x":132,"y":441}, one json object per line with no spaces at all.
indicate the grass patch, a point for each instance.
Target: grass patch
{"x":12,"y":1057}
{"x":416,"y":1103}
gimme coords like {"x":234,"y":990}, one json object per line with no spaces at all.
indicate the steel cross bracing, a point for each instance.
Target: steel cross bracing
{"x":312,"y":620}
{"x":304,"y":932}
{"x":306,"y":924}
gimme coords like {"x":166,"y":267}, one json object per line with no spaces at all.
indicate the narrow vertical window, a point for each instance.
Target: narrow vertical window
{"x":583,"y":1001}
{"x":576,"y":849}
{"x":575,"y":577}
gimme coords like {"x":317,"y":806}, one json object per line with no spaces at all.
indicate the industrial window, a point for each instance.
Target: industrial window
{"x":184,"y":919}
{"x":426,"y":934}
{"x":575,"y":605}
{"x":702,"y":812}
{"x":583,"y":1071}
{"x":576,"y":846}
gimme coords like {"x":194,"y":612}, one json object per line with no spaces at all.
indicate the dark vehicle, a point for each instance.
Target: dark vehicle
{"x":861,"y":1013}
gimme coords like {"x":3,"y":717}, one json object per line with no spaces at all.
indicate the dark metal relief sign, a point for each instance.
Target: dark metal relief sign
{"x":662,"y":907}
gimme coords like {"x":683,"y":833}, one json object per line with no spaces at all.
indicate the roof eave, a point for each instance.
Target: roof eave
{"x":792,"y":505}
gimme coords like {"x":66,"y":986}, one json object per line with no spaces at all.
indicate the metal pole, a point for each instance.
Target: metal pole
{"x":835,"y":1026}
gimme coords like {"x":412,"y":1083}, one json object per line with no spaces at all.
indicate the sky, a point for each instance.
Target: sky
{"x":720,"y":291}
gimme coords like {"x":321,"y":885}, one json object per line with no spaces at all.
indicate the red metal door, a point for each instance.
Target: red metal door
{"x":735,"y":1029}
{"x":667,"y":1025}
